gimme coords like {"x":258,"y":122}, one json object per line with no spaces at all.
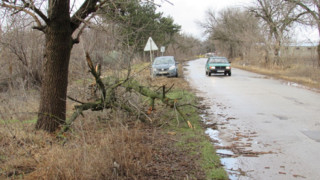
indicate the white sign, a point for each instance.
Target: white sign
{"x":150,"y":46}
{"x":162,"y":49}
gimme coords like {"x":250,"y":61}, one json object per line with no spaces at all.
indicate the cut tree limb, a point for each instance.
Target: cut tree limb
{"x":108,"y":86}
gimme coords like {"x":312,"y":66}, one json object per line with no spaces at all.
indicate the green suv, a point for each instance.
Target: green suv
{"x":218,"y":65}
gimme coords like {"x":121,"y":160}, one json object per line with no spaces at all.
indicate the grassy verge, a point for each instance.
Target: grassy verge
{"x":110,"y":144}
{"x":31,"y":121}
{"x":194,"y":139}
{"x":307,"y":76}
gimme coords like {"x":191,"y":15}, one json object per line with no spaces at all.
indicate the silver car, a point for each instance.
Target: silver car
{"x":164,"y":66}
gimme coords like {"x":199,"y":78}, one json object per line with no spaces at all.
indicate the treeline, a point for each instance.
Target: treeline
{"x":262,"y":32}
{"x":115,"y":37}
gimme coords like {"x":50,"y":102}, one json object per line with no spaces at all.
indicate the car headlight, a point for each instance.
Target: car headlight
{"x":172,"y":67}
{"x":212,"y":67}
{"x":228,"y":67}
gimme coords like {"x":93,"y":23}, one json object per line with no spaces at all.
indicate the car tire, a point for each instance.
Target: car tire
{"x":209,"y":74}
{"x":225,"y":73}
{"x":176,"y":74}
{"x":229,"y":73}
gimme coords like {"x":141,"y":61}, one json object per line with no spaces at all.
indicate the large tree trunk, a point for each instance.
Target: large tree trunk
{"x":277,"y":49}
{"x":52,"y":111}
{"x":277,"y":55}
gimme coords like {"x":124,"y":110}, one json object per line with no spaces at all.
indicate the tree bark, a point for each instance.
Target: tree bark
{"x":52,"y":110}
{"x":318,"y":47}
{"x":277,"y":48}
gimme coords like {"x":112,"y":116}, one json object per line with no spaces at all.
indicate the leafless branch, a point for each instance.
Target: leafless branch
{"x":88,"y":7}
{"x":21,"y":8}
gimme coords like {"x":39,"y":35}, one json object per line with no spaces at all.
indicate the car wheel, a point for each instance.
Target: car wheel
{"x":225,"y":73}
{"x":209,"y":74}
{"x":177,"y":74}
{"x":229,"y":73}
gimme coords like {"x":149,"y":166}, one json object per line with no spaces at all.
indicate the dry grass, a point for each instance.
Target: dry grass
{"x":109,"y":154}
{"x":101,"y":145}
{"x":94,"y":150}
{"x":299,"y":73}
{"x":106,"y":145}
{"x":115,"y":152}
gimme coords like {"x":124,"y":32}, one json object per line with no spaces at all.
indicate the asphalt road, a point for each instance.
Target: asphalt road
{"x":271,"y":127}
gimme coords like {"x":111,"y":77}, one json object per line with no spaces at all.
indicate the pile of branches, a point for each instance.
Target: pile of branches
{"x":107,"y":100}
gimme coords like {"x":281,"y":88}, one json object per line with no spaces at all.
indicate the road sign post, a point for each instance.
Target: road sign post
{"x":162,"y":50}
{"x":150,"y":46}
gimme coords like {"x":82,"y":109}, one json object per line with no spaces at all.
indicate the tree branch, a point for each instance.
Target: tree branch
{"x":85,"y":24}
{"x":23,"y":8}
{"x":306,"y":8}
{"x":36,"y":10}
{"x":96,"y":74}
{"x":88,"y":7}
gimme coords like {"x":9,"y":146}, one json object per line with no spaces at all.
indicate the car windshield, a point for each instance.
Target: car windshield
{"x":158,"y":61}
{"x":218,"y":60}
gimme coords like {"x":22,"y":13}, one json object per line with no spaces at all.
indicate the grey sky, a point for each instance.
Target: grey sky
{"x":187,"y":12}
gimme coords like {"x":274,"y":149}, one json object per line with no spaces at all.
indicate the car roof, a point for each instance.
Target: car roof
{"x":217,"y":57}
{"x":164,"y":57}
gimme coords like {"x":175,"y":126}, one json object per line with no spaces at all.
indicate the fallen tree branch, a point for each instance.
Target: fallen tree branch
{"x":147,"y":92}
{"x":108,"y":100}
{"x":75,"y":100}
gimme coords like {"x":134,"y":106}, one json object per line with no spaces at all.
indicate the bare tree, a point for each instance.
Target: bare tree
{"x":58,"y":24}
{"x":233,"y":29}
{"x":22,"y":49}
{"x":184,"y":47}
{"x":311,"y":7}
{"x":277,"y":17}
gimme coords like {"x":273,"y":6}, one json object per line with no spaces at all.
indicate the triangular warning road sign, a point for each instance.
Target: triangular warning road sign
{"x":150,"y":46}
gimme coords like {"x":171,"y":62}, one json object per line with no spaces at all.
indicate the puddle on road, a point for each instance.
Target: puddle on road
{"x":225,"y":153}
{"x":314,"y":135}
{"x":215,"y":119}
{"x":293,"y":84}
{"x":230,"y":165}
{"x":214,"y":135}
{"x":227,"y":156}
{"x":281,"y":117}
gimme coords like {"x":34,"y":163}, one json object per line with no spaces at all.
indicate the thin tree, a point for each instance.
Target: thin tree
{"x":58,"y":24}
{"x":233,"y":29}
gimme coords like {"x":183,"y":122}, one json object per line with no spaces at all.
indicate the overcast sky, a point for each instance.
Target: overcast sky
{"x":187,"y":12}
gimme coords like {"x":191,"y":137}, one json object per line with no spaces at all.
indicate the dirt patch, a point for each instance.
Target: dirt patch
{"x":170,"y":162}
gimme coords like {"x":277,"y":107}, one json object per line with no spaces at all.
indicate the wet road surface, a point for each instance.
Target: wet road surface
{"x":263,"y":128}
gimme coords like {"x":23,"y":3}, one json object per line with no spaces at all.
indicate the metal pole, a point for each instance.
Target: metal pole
{"x":150,"y":51}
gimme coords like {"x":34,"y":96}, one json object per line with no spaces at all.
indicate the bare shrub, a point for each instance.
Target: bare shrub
{"x":21,"y":53}
{"x":184,"y":47}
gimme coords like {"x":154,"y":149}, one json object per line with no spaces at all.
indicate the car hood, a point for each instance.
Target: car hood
{"x":162,"y":66}
{"x":219,"y":64}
